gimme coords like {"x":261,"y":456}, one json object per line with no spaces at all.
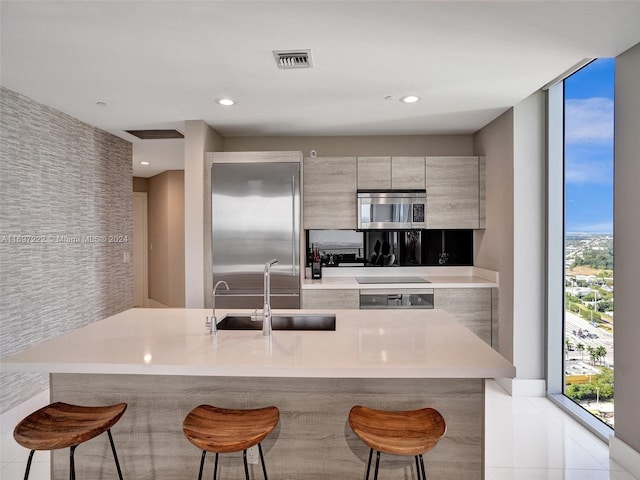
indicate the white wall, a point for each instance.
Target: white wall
{"x":494,"y":245}
{"x":529,"y":180}
{"x":513,"y":241}
{"x":198,"y":139}
{"x":627,"y":247}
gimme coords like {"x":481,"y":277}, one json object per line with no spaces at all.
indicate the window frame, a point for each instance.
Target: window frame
{"x":555,"y":254}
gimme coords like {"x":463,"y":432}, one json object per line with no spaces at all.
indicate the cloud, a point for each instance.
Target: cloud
{"x":589,"y":172}
{"x":589,"y":120}
{"x":604,"y":227}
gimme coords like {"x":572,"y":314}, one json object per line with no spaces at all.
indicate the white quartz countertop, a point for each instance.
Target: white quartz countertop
{"x":438,"y":277}
{"x":447,"y":281}
{"x":365,"y":344}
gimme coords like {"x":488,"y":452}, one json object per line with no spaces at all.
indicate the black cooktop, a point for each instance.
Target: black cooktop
{"x":369,"y":280}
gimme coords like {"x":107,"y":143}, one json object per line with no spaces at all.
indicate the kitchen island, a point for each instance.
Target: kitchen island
{"x":163,"y":363}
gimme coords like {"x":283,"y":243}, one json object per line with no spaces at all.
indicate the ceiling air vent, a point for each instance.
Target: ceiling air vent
{"x":155,"y":134}
{"x":293,"y":58}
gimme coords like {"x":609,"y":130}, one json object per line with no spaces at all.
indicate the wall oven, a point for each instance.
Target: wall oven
{"x":392,"y":210}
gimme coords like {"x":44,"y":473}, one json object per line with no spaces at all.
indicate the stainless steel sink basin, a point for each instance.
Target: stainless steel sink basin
{"x":280,"y":322}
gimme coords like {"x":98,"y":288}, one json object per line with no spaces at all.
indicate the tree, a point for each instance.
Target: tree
{"x":601,"y":353}
{"x":580,"y":348}
{"x":592,"y":354}
{"x":601,"y":386}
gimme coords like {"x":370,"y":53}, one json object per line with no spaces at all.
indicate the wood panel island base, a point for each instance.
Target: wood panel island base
{"x":312,"y":441}
{"x":163,"y":363}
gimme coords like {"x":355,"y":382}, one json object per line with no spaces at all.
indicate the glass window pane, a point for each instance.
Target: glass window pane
{"x":588,"y":238}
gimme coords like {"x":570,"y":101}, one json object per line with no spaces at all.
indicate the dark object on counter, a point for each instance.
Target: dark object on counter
{"x":316,"y":266}
{"x":412,"y":432}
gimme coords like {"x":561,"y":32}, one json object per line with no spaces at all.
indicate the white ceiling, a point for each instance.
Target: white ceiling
{"x":157,"y":64}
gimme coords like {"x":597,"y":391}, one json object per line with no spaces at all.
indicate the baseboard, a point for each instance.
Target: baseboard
{"x":10,"y":418}
{"x":626,"y":456}
{"x":151,"y":303}
{"x":518,"y":387}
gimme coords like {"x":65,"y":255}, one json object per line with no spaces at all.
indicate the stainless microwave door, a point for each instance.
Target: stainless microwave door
{"x":384,"y":212}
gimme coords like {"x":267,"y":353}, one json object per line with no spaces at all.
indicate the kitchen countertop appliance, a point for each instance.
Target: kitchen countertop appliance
{"x":392,"y":210}
{"x":385,"y":298}
{"x":256,"y":217}
{"x":402,"y":298}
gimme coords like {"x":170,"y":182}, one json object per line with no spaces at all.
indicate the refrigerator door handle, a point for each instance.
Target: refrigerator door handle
{"x":293,"y":225}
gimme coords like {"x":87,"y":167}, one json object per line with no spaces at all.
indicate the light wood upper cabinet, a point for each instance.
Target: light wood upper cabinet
{"x":329,"y":193}
{"x":374,"y":173}
{"x":453,"y":192}
{"x":397,"y":173}
{"x":408,"y":173}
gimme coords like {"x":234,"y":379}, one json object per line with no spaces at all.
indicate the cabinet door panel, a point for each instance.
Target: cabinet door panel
{"x":470,"y":306}
{"x":329,"y":193}
{"x":453,"y":192}
{"x":408,"y":173}
{"x":339,"y":299}
{"x":374,"y":173}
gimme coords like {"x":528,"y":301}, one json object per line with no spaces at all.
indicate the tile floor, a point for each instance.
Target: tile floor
{"x":527,"y":439}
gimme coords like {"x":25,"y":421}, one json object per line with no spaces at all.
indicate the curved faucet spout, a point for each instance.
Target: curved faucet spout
{"x":266,"y":310}
{"x":213,"y":323}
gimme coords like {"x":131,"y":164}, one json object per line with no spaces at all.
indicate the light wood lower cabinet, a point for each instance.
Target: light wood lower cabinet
{"x":475,"y":308}
{"x":470,"y":306}
{"x":339,"y":299}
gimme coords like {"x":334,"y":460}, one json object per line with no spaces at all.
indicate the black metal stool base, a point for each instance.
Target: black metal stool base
{"x":244,"y":460}
{"x":420,"y":471}
{"x":72,"y":464}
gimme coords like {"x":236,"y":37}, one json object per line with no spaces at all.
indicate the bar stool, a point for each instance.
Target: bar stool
{"x":61,"y":425}
{"x":221,"y":430}
{"x":411,"y":432}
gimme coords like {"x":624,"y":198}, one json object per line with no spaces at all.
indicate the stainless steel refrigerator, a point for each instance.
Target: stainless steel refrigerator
{"x":256,"y":217}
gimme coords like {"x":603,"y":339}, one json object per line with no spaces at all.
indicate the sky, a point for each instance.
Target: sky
{"x":589,"y":148}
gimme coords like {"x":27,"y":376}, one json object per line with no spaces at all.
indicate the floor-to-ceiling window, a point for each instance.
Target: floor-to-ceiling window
{"x":580,"y":209}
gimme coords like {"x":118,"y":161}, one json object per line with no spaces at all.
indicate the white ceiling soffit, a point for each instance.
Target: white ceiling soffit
{"x":157,"y":64}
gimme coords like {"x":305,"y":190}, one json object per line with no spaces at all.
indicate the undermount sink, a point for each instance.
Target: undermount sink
{"x":280,"y":322}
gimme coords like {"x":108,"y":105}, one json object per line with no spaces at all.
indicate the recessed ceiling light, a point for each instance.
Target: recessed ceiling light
{"x":409,"y":99}
{"x":144,"y":163}
{"x":225,"y":102}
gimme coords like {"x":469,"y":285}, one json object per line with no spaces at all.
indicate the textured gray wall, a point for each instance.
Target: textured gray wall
{"x":65,"y":225}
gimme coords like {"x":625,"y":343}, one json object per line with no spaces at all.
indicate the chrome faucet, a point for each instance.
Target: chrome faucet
{"x":266,"y":310}
{"x":212,"y":322}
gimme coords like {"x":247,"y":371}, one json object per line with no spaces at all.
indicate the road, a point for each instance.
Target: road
{"x":605,"y":339}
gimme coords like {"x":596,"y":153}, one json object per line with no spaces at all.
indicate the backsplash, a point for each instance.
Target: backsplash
{"x":65,"y":230}
{"x":388,"y":248}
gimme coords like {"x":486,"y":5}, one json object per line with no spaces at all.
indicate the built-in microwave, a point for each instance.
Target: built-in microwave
{"x":392,"y":210}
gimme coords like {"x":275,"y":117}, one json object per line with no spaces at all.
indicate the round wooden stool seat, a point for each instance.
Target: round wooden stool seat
{"x":224,"y":430}
{"x":62,"y":425}
{"x":411,"y":432}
